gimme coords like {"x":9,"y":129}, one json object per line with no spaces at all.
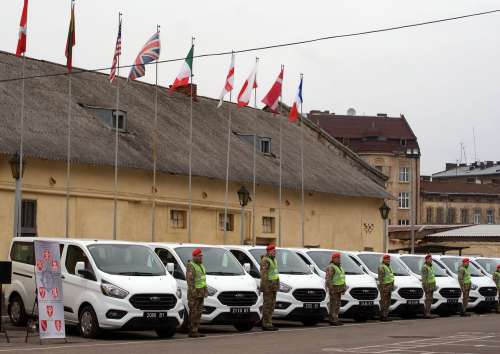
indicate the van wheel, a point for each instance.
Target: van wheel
{"x":310,"y":321}
{"x":17,"y":313}
{"x":165,"y":332}
{"x":87,"y":322}
{"x":243,"y":326}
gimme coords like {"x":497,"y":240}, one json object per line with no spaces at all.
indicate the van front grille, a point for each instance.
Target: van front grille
{"x":488,"y":291}
{"x":411,"y":293}
{"x":238,"y":298}
{"x":309,"y":295}
{"x":153,"y":301}
{"x":450,"y":293}
{"x":364,"y":293}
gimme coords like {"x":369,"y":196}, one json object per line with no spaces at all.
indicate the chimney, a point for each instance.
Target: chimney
{"x":489,"y":163}
{"x":450,"y":166}
{"x":186,"y":90}
{"x":382,"y":115}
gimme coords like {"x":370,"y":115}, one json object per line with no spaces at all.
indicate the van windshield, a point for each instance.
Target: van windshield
{"x":288,"y":261}
{"x":489,"y":264}
{"x":454,"y":263}
{"x":217,"y":261}
{"x":373,"y":260}
{"x":323,"y":259}
{"x":122,"y":259}
{"x":415,"y":263}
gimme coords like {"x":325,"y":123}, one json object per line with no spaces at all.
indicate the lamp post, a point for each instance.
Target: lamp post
{"x":17,"y":174}
{"x":244,"y":197}
{"x":384,"y":213}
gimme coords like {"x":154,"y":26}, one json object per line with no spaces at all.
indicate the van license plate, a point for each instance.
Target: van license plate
{"x":412,"y":302}
{"x":452,"y":301}
{"x":155,"y":316}
{"x":366,"y":303}
{"x":311,"y":306}
{"x":240,"y":310}
{"x":490,"y":299}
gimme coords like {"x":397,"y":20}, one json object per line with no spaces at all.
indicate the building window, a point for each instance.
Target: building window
{"x":28,"y":218}
{"x":490,"y":216}
{"x":404,"y":175}
{"x":439,"y":216}
{"x":477,"y":216}
{"x":122,"y":120}
{"x":229,"y":223}
{"x":429,"y":215}
{"x":464,"y":216}
{"x":450,"y":217}
{"x":178,"y":219}
{"x":265,"y":145}
{"x":404,"y":200}
{"x":403,"y":142}
{"x":403,"y":222}
{"x":268,"y":225}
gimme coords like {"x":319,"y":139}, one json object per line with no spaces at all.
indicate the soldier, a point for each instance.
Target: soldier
{"x":465,"y":283}
{"x":269,"y":285}
{"x":428,"y":284}
{"x":197,"y":291}
{"x":336,"y":286}
{"x":496,"y":279}
{"x":386,"y":286}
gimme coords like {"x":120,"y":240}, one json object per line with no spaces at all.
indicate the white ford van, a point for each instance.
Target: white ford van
{"x":483,"y":291}
{"x":447,"y":296}
{"x":232,"y":294}
{"x":407,"y":297}
{"x":487,"y":264}
{"x":301,"y":295}
{"x":361,"y":300}
{"x":106,"y":285}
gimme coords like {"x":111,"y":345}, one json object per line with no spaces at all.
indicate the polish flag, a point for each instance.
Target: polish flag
{"x":294,"y":111}
{"x":273,"y":96}
{"x":23,"y":26}
{"x":246,"y":91}
{"x":229,"y":85}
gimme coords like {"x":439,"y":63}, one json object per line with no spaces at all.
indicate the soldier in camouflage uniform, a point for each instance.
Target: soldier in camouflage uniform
{"x":197,"y":291}
{"x":428,"y":284}
{"x":269,"y":285}
{"x":464,"y":279}
{"x":496,"y":279}
{"x":386,"y":286}
{"x":336,"y":286}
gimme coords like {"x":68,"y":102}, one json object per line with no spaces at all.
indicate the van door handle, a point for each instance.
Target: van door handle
{"x":63,"y":277}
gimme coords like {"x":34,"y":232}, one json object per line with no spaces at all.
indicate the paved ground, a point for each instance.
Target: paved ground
{"x":476,"y":334}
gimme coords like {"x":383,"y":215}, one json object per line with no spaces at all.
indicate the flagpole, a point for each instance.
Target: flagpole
{"x":281,"y":164}
{"x":190,"y":189}
{"x":302,"y":211}
{"x":117,"y":114}
{"x":155,"y":138}
{"x":227,"y":161}
{"x":254,"y":238}
{"x":18,"y":218}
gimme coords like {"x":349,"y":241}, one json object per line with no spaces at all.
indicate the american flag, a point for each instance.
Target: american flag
{"x":149,"y":53}
{"x":118,"y":52}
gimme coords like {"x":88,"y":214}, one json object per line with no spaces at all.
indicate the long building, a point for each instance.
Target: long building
{"x":342,"y":198}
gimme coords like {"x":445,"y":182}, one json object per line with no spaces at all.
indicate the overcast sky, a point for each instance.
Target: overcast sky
{"x":444,"y":78}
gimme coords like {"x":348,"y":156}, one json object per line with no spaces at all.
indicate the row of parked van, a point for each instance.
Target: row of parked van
{"x":137,"y":286}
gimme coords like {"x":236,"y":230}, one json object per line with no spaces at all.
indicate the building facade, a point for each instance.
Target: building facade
{"x":389,"y":145}
{"x":342,"y":192}
{"x":485,"y":172}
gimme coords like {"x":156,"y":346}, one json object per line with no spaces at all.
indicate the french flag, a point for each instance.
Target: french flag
{"x":294,"y":111}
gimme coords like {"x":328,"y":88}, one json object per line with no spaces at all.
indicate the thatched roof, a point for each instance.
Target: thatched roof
{"x":329,"y":167}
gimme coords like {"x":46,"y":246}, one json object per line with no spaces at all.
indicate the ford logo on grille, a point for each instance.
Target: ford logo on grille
{"x":155,"y":298}
{"x":412,"y":290}
{"x":365,"y":291}
{"x":239,"y":295}
{"x":311,"y":292}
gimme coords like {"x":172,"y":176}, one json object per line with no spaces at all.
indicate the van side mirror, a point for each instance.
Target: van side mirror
{"x":170,"y":268}
{"x":247,"y":267}
{"x":80,"y":269}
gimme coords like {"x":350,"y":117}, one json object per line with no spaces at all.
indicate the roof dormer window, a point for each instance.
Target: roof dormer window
{"x":265,"y":146}
{"x":119,"y":120}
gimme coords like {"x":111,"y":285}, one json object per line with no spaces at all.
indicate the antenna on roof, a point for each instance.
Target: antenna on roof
{"x":463,"y":155}
{"x":474,"y":137}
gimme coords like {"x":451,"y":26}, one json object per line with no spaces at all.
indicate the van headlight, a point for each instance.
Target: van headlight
{"x":178,"y":293}
{"x":112,"y":290}
{"x":211,"y":291}
{"x":473,"y":287}
{"x":284,"y":288}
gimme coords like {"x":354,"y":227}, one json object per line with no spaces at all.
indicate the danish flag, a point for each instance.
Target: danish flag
{"x":273,"y":96}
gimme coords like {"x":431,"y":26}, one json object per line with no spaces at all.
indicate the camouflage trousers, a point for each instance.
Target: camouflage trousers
{"x":429,"y":296}
{"x":195,"y":304}
{"x":465,"y":297}
{"x":385,"y":302}
{"x":335,"y":301}
{"x":269,"y":298}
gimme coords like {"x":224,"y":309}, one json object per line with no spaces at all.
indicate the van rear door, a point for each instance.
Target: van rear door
{"x":22,"y":255}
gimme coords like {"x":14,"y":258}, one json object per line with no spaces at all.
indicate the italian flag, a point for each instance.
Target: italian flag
{"x":185,"y":73}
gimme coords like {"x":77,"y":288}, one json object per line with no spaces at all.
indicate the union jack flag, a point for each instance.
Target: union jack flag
{"x":149,"y":53}
{"x":118,"y":52}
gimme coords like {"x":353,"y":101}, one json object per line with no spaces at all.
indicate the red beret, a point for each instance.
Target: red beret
{"x":386,"y":256}
{"x":270,"y":247}
{"x":196,"y":251}
{"x":335,"y":255}
{"x":428,"y":256}
{"x":466,"y":260}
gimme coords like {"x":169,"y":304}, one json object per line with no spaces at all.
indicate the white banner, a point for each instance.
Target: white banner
{"x":49,"y":290}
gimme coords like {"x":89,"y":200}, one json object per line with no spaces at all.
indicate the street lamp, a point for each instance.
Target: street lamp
{"x":384,"y":213}
{"x":17,"y":169}
{"x":244,"y":198}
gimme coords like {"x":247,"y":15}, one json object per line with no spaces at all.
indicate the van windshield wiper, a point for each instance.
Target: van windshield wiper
{"x":353,"y":273}
{"x":294,"y":273}
{"x":139,"y":274}
{"x":223,"y":273}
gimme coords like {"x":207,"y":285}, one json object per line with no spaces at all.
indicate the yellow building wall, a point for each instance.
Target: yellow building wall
{"x":331,"y":221}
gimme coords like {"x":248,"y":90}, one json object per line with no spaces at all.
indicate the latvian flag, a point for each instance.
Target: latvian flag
{"x":23,"y":25}
{"x":185,"y":73}
{"x":246,"y":91}
{"x":294,"y":111}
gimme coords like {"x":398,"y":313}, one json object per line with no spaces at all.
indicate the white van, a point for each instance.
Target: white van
{"x":447,"y":296}
{"x":361,"y":300}
{"x":233,"y":297}
{"x":487,"y":264}
{"x":301,"y":295}
{"x":106,"y":285}
{"x":483,"y":291}
{"x":407,"y":297}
